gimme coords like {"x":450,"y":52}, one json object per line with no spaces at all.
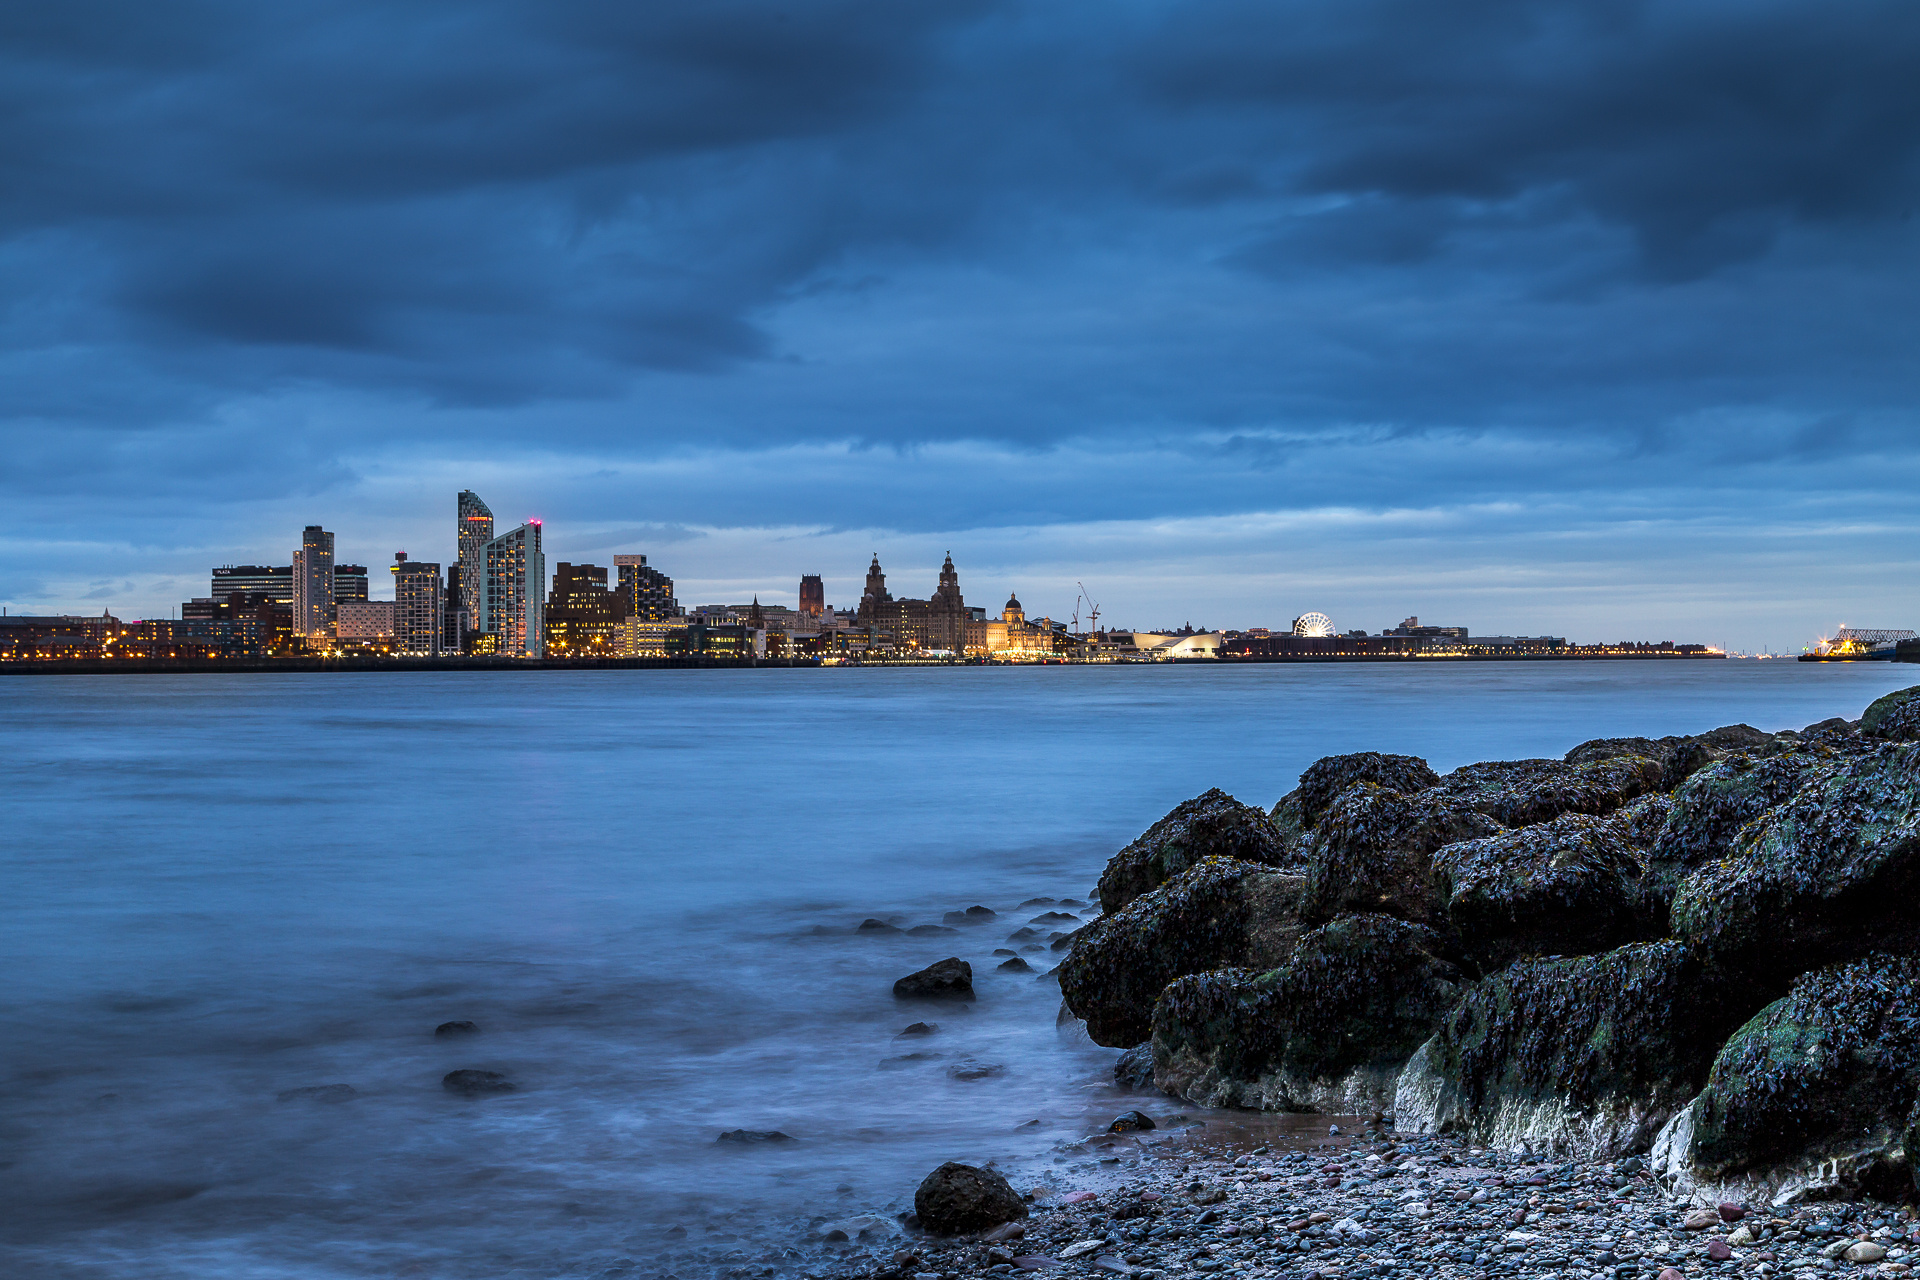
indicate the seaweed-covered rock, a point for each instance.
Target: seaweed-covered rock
{"x":1895,"y":716}
{"x":1217,"y":914}
{"x":1565,"y":887}
{"x":1587,"y":1056}
{"x":1827,"y":876}
{"x":1678,"y":757}
{"x":1518,"y":793}
{"x":1373,"y":852}
{"x":1812,"y":1097}
{"x":1328,"y":776}
{"x":1328,"y":1031}
{"x":1213,"y":825}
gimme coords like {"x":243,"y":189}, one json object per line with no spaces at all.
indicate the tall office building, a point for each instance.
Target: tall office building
{"x":313,"y":583}
{"x":583,"y":618}
{"x":349,"y":582}
{"x":813,"y":596}
{"x":645,"y":592}
{"x":417,"y":605}
{"x":514,"y":603}
{"x":257,"y":579}
{"x":474,"y":532}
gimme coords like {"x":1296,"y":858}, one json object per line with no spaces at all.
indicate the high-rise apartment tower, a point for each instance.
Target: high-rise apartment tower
{"x":474,"y":532}
{"x":313,"y":583}
{"x":515,"y":596}
{"x":417,"y":602}
{"x":645,"y":592}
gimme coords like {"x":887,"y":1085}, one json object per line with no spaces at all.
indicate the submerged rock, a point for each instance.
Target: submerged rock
{"x":1216,"y":914}
{"x":1812,"y":1098}
{"x":470,"y":1082}
{"x":1213,"y":825}
{"x":751,"y":1137}
{"x":871,"y":925}
{"x":949,"y":979}
{"x":959,"y":1197}
{"x":1565,"y":887}
{"x":1587,"y":1056}
{"x":1328,"y":1031}
{"x":1827,"y":876}
{"x":454,"y":1030}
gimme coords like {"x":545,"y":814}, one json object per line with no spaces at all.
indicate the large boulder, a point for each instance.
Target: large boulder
{"x":1217,"y":914}
{"x":1895,"y":716}
{"x":1213,"y":825}
{"x":1827,"y":876}
{"x":1373,"y":852}
{"x":1328,"y":776}
{"x":1518,"y":793}
{"x":957,"y":1198}
{"x":1587,"y":1056}
{"x":1329,"y":1031}
{"x":1679,"y":757}
{"x":1565,"y":887}
{"x":1812,"y":1098}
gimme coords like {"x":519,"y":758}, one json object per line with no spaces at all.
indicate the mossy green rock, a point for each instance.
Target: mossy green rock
{"x":1220,"y":913}
{"x":1565,"y":887}
{"x":1213,"y":825}
{"x":1588,"y":1055}
{"x":1895,"y":716}
{"x":1327,"y":777}
{"x":1826,"y":876}
{"x":1827,"y":1072}
{"x":1518,"y":793}
{"x":1373,"y":852}
{"x":1329,"y":1030}
{"x":1678,"y":757}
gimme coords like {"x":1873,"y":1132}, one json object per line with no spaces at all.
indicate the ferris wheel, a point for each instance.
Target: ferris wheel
{"x":1316,"y":626}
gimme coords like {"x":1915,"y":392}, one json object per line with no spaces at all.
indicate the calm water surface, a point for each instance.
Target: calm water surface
{"x":641,"y":886}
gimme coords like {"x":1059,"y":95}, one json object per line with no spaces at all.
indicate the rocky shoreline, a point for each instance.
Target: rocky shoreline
{"x":1642,"y":1013}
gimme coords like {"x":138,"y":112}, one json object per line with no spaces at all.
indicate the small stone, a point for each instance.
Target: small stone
{"x":959,"y":1197}
{"x":876,"y":926}
{"x":1006,"y":1231}
{"x":1865,"y":1251}
{"x":1741,"y":1236}
{"x":1730,"y":1212}
{"x":973,"y":1069}
{"x":949,"y":979}
{"x":1081,"y":1249}
{"x":468,"y":1082}
{"x":1672,"y":1273}
{"x":1131,"y":1121}
{"x":1015,"y":965}
{"x":1078,"y":1197}
{"x":753,"y":1136}
{"x":920,"y":1029}
{"x":1719,"y":1250}
{"x":979,"y":913}
{"x":1701,"y":1220}
{"x":451,"y":1030}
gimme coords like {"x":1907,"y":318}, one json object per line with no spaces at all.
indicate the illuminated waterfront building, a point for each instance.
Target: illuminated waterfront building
{"x":583,"y":618}
{"x":813,"y":596}
{"x":313,"y":595}
{"x":255,"y":579}
{"x":418,"y":607}
{"x":363,"y":620}
{"x":513,"y":604}
{"x":644,"y":592}
{"x":473,"y":531}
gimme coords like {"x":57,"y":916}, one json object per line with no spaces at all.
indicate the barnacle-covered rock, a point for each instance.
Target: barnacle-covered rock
{"x":1895,"y":716}
{"x":1678,"y":757}
{"x":1829,"y":875}
{"x":1213,"y":825}
{"x":1328,"y":1031}
{"x":1217,"y":914}
{"x":1373,"y":852}
{"x":1810,"y":1098}
{"x":1587,"y":1056}
{"x":1518,"y":793}
{"x":1327,"y":777}
{"x":1565,"y":887}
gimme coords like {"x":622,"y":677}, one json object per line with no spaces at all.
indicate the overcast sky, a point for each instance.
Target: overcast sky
{"x":1596,"y":319}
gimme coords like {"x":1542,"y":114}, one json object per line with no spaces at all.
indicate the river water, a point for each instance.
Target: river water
{"x":642,"y":888}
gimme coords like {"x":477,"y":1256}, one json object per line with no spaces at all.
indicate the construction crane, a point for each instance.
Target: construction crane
{"x":1093,"y":610}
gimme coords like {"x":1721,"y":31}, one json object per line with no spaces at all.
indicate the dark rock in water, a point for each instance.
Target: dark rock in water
{"x":320,"y":1093}
{"x":1565,"y":887}
{"x":876,"y":926}
{"x":753,"y":1136}
{"x":1023,"y":934}
{"x":929,"y":930}
{"x":957,"y":1198}
{"x":1373,"y":851}
{"x":1895,"y":716}
{"x":1015,"y":965}
{"x":979,"y":913}
{"x":1327,"y":1031}
{"x":949,"y":979}
{"x":453,"y":1030}
{"x":974,"y":1069}
{"x":1131,"y":1122}
{"x":1328,"y":776}
{"x":909,"y":1059}
{"x":1585,"y":1057}
{"x":1213,"y":825}
{"x":1005,"y":951}
{"x":1054,"y":918}
{"x":1038,"y":902}
{"x":1519,"y":793}
{"x":1814,"y":1096}
{"x":954,"y":917}
{"x":470,"y":1082}
{"x":1062,"y":941}
{"x":1217,"y":914}
{"x":1134,"y":1070}
{"x":1828,"y":876}
{"x":1072,"y":902}
{"x":921,"y":1029}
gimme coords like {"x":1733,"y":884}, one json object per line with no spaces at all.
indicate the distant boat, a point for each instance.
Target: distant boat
{"x":1860,"y":644}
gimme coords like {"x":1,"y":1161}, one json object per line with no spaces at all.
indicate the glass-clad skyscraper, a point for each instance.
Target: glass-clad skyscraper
{"x":474,"y":532}
{"x":514,"y":601}
{"x":313,"y":586}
